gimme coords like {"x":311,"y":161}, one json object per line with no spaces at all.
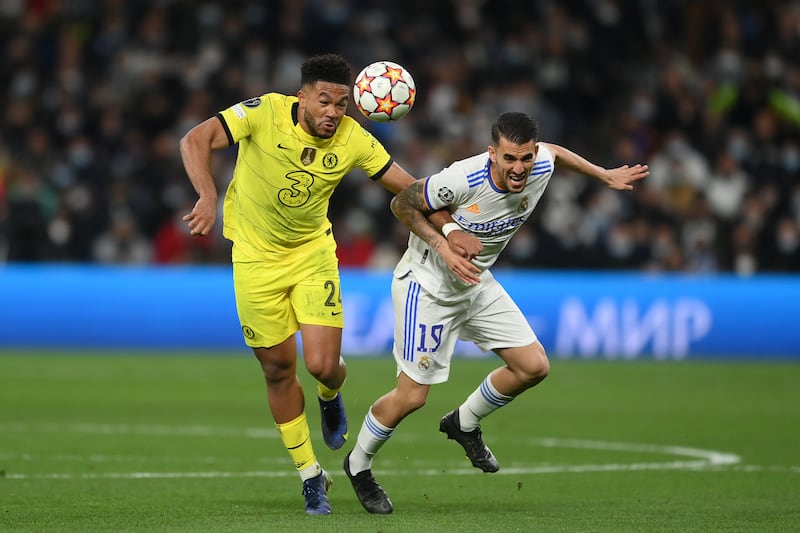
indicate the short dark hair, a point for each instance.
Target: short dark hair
{"x":326,"y":67}
{"x":518,"y":128}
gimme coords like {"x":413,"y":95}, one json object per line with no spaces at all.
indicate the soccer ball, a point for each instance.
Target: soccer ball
{"x":384,"y":91}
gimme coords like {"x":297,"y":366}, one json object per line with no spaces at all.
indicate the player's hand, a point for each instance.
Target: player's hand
{"x":460,"y":266}
{"x":464,"y":244}
{"x":620,"y":178}
{"x":201,"y":220}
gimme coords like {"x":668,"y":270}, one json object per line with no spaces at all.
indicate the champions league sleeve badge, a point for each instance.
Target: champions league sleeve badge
{"x":445,"y":195}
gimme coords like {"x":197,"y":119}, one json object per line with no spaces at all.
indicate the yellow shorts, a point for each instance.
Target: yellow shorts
{"x":300,"y":286}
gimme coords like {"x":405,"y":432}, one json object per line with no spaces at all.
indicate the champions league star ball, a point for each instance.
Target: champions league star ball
{"x":384,"y":91}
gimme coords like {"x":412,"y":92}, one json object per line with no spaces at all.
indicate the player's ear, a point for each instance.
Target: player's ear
{"x":492,"y":154}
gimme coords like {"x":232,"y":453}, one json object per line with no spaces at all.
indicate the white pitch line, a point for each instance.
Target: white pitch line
{"x":704,"y":459}
{"x":565,"y":469}
{"x":711,"y":456}
{"x":701,"y":459}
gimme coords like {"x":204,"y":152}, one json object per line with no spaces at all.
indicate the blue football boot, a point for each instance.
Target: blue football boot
{"x":334,"y":422}
{"x":315,"y":491}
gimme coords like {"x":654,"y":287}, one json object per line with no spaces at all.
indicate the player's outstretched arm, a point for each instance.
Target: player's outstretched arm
{"x":620,"y":178}
{"x":410,"y":208}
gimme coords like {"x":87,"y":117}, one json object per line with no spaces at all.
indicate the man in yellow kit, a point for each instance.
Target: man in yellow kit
{"x":293,"y":152}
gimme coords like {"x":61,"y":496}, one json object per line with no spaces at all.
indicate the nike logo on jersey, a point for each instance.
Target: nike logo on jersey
{"x":282,"y":147}
{"x":335,"y":313}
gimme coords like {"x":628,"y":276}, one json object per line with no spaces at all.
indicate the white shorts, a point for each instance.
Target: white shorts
{"x":426,"y":329}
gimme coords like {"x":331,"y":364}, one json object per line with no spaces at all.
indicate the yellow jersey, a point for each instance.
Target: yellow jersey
{"x":284,"y":178}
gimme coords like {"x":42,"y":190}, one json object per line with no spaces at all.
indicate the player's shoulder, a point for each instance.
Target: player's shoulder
{"x":472,"y":168}
{"x":544,"y":164}
{"x":347,"y":127}
{"x":280,"y":101}
{"x":276,"y":104}
{"x":354,"y":136}
{"x":543,"y":153}
{"x":475,"y":163}
{"x":462,"y":178}
{"x":267,"y":104}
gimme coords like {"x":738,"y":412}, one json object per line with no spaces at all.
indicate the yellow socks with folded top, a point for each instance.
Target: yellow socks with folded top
{"x":296,"y":436}
{"x":325,"y":393}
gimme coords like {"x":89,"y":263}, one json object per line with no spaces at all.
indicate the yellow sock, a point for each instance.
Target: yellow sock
{"x":325,"y":393}
{"x":296,"y":436}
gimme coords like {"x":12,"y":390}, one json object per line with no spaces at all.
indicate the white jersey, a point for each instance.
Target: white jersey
{"x":479,"y":208}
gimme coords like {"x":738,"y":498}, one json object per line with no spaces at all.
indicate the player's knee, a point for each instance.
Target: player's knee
{"x":536,"y":367}
{"x":542,"y":363}
{"x":324,"y":369}
{"x":276,"y":372}
{"x":277,"y":364}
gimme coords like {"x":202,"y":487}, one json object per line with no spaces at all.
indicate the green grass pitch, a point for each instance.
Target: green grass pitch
{"x":185,"y":442}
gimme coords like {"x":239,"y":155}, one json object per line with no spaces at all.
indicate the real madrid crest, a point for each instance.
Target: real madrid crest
{"x":308,"y":155}
{"x":424,"y":363}
{"x":523,"y":205}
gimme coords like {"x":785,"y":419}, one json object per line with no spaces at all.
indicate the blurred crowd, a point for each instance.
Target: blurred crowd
{"x":96,"y":95}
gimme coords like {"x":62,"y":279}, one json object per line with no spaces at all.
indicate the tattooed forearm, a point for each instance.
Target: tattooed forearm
{"x":410,"y":208}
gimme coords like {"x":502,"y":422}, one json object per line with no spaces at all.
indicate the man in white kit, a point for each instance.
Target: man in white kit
{"x":490,"y":195}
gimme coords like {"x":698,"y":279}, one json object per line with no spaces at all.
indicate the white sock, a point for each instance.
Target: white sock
{"x":371,"y":437}
{"x":312,"y":470}
{"x":483,"y":400}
